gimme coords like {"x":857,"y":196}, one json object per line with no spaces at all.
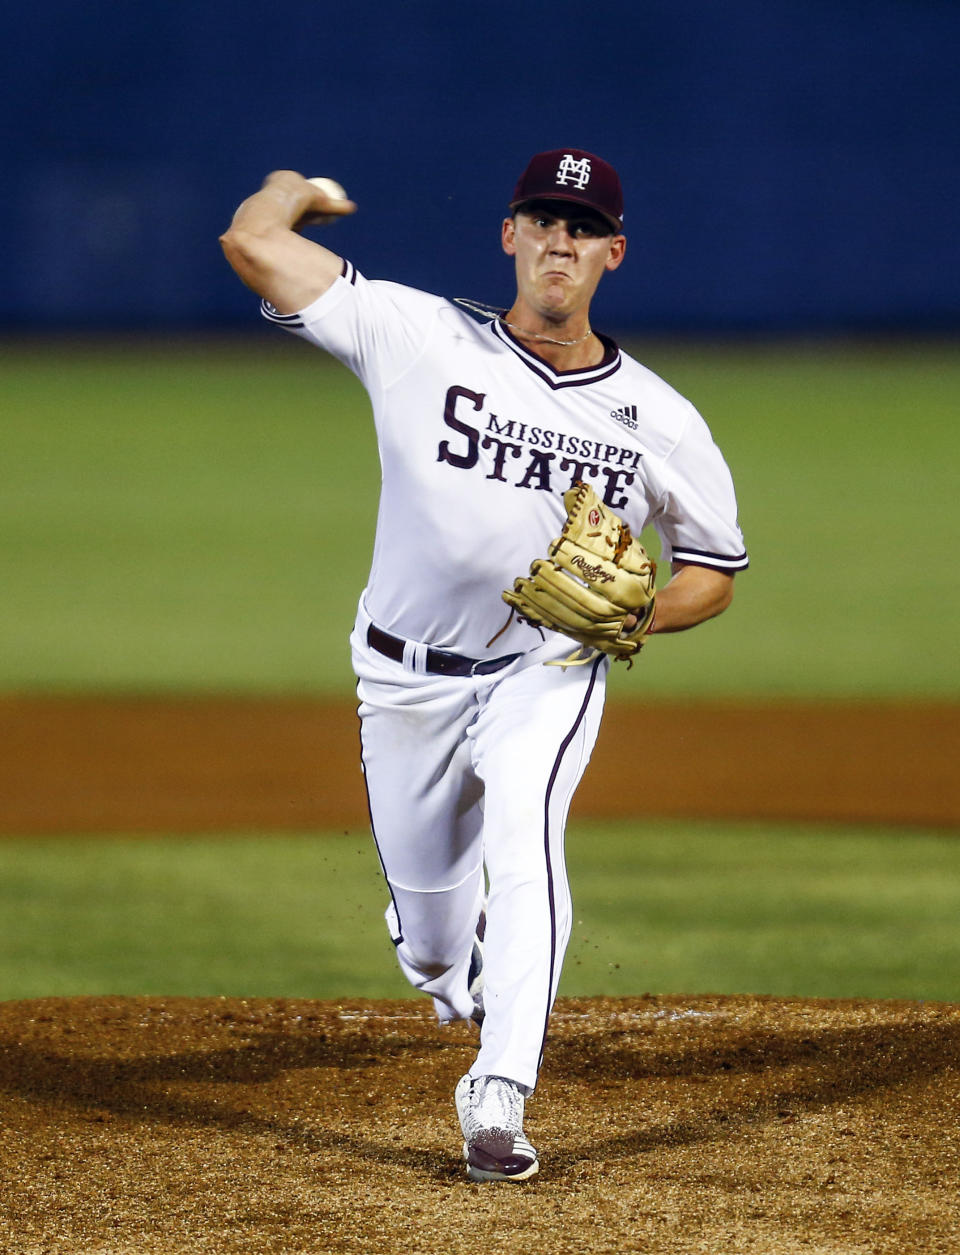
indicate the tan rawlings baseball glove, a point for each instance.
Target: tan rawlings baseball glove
{"x":595,"y":575}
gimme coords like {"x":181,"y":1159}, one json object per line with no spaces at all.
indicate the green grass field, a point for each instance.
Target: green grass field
{"x":671,"y":908}
{"x":201,"y":518}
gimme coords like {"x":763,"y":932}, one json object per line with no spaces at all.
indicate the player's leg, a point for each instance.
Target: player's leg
{"x":424,"y":812}
{"x":532,"y":742}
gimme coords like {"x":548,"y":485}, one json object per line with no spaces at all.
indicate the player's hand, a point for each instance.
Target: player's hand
{"x":305,"y":202}
{"x":330,"y":202}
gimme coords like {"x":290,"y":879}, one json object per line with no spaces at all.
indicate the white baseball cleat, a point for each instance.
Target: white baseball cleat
{"x":491,"y":1117}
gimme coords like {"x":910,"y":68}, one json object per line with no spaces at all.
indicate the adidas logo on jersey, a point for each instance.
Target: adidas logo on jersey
{"x":626,"y":414}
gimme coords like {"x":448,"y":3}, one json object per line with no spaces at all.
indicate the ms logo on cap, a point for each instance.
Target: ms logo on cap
{"x":572,"y":172}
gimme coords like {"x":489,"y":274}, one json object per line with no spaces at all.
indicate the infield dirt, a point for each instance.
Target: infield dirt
{"x":189,"y":764}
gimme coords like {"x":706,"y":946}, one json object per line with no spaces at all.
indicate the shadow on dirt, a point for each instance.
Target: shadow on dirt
{"x":225,"y":1087}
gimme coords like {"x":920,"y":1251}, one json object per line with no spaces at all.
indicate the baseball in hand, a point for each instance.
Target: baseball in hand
{"x":332,"y":189}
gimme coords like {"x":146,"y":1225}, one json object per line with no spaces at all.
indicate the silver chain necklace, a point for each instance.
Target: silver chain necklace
{"x":491,"y":311}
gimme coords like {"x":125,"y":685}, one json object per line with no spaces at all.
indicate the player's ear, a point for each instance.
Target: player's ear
{"x":507,"y":236}
{"x":618,"y":246}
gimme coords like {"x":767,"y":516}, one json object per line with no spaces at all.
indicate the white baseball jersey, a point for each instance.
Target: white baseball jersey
{"x":479,"y":438}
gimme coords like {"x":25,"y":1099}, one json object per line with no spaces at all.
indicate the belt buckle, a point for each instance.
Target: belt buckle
{"x":487,"y":666}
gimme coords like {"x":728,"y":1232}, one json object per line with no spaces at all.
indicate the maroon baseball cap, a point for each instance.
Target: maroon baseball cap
{"x":574,"y":175}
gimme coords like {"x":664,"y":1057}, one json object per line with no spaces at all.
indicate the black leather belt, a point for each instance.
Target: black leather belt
{"x":439,"y":661}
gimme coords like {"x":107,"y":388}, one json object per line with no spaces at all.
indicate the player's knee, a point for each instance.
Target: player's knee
{"x":431,"y":970}
{"x":428,"y":960}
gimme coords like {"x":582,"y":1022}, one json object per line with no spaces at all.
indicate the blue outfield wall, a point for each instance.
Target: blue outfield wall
{"x":788,"y":165}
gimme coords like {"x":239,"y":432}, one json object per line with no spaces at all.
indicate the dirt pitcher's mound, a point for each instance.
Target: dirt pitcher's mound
{"x":701,"y":1124}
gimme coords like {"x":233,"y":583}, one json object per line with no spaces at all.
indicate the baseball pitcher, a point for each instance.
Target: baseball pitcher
{"x":522,"y":453}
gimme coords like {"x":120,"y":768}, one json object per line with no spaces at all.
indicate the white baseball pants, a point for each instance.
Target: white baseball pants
{"x":466,"y":775}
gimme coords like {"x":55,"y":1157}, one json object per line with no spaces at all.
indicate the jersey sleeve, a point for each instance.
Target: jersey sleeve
{"x":376,"y":329}
{"x":697,"y":515}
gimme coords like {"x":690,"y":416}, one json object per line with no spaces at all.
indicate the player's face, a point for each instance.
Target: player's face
{"x":560,"y":254}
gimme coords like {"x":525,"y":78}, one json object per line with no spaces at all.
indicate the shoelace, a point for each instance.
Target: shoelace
{"x":499,"y":1105}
